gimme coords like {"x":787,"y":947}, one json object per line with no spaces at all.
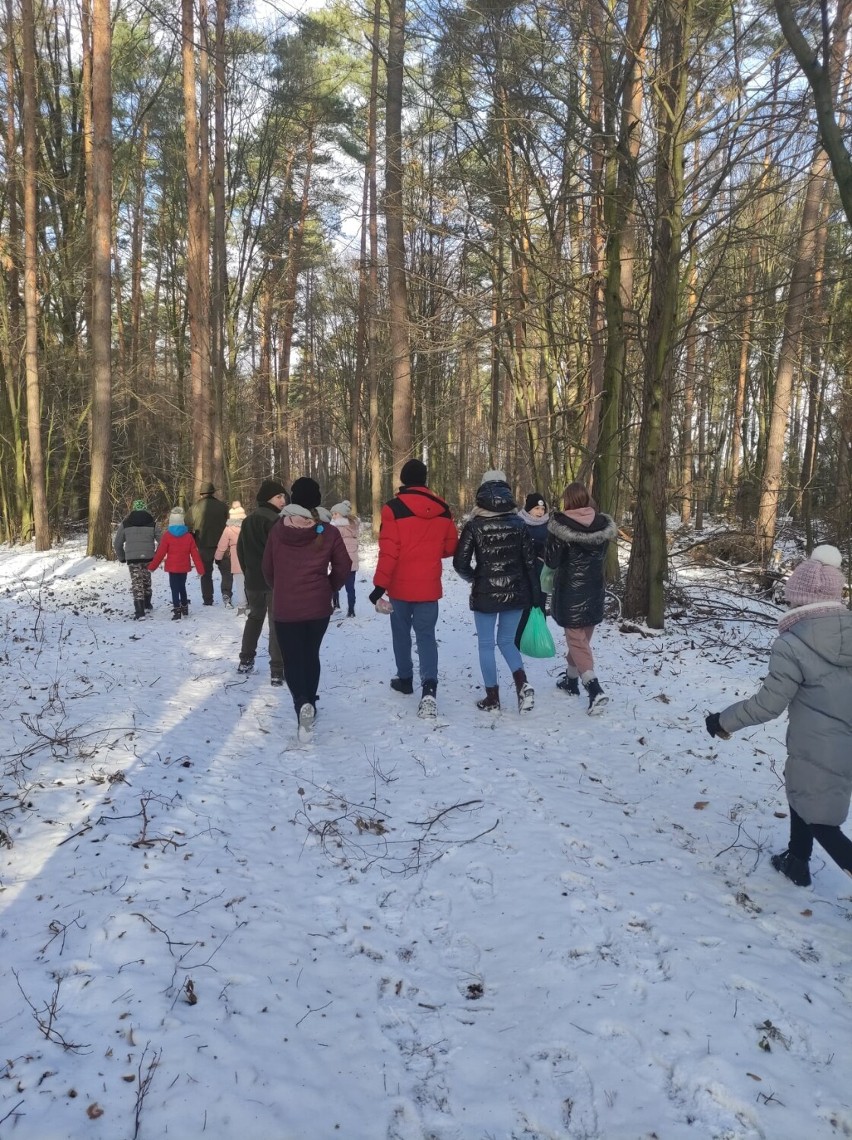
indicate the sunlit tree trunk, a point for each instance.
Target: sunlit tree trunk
{"x":30,"y":177}
{"x":397,"y":287}
{"x":100,"y":504}
{"x":197,"y":269}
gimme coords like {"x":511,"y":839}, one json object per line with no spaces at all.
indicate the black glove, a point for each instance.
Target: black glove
{"x":714,"y":728}
{"x":375,"y":595}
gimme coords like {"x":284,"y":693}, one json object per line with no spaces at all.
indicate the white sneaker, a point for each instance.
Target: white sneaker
{"x":428,"y":708}
{"x":526,"y":698}
{"x":307,"y":716}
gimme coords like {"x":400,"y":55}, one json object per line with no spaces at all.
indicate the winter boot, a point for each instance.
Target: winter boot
{"x":184,"y":609}
{"x":350,"y":612}
{"x":428,"y":707}
{"x":597,"y":697}
{"x":402,"y":685}
{"x":795,"y":869}
{"x":491,"y":701}
{"x":139,"y":606}
{"x":277,"y":680}
{"x":226,"y":600}
{"x":176,"y":614}
{"x":526,"y":693}
{"x":307,"y":716}
{"x":149,"y":605}
{"x":335,"y":601}
{"x":245,"y":667}
{"x":570,"y":685}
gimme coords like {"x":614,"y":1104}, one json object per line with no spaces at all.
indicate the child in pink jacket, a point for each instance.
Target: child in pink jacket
{"x":177,"y":547}
{"x":342,"y":517}
{"x":227,"y":548}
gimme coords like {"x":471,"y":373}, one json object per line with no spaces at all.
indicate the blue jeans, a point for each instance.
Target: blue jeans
{"x":422,"y":617}
{"x":506,"y":626}
{"x":177,"y":583}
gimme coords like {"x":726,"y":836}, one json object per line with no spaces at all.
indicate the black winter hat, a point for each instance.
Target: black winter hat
{"x":534,"y":499}
{"x":306,"y":493}
{"x":413,"y":473}
{"x":268,"y":488}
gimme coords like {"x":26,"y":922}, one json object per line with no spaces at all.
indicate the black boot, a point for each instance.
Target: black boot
{"x":597,"y":697}
{"x":491,"y":701}
{"x":148,"y":603}
{"x":139,"y":606}
{"x":795,"y":869}
{"x":570,"y":685}
{"x":402,"y":685}
{"x":526,"y":693}
{"x":428,"y":707}
{"x":350,"y":612}
{"x":176,"y":613}
{"x":184,"y":609}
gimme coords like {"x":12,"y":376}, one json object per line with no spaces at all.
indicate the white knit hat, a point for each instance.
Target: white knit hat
{"x":176,"y":517}
{"x":236,"y":513}
{"x":493,"y":477}
{"x":344,"y":508}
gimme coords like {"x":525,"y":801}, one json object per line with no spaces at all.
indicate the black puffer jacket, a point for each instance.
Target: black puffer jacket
{"x":576,"y":554}
{"x":495,"y":553}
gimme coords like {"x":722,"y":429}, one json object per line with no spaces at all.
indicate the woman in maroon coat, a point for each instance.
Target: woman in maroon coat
{"x":305,"y":562}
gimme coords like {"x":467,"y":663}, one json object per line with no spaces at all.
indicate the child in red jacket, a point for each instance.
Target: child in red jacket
{"x":177,"y":547}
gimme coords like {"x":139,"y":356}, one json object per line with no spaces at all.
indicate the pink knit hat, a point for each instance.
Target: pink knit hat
{"x":817,"y":579}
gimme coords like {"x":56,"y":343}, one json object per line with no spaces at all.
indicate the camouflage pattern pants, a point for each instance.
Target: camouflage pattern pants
{"x":140,"y":581}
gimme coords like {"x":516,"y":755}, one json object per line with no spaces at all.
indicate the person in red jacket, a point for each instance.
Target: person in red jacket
{"x":177,"y":547}
{"x":305,"y":561}
{"x":417,"y":532}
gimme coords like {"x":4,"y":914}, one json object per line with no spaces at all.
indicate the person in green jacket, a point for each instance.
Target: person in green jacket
{"x":271,"y":498}
{"x":206,"y":521}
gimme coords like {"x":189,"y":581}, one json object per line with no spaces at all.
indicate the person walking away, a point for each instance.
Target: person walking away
{"x":810,"y":675}
{"x":226,"y":552}
{"x":135,"y":543}
{"x":207,"y":521}
{"x":417,"y":532}
{"x":577,"y":542}
{"x":304,"y":562}
{"x":179,"y":551}
{"x":254,"y":531}
{"x":496,"y":555}
{"x":347,"y":523}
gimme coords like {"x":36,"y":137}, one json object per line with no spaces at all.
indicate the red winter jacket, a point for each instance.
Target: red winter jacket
{"x":179,"y":551}
{"x":417,"y":532}
{"x":296,"y":565}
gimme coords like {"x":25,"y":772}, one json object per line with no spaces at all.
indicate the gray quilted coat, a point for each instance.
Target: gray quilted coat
{"x":810,"y":674}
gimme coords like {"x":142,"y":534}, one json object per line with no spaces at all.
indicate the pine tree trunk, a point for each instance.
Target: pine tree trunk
{"x":100,"y":505}
{"x":397,"y":285}
{"x":30,"y":175}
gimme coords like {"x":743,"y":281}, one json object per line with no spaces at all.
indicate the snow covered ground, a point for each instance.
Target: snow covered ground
{"x":545,"y":927}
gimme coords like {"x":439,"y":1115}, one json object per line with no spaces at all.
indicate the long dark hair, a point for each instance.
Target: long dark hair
{"x":577,"y":496}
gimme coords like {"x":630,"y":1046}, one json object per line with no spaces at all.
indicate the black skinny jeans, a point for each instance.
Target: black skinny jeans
{"x":828,"y":836}
{"x":300,"y":643}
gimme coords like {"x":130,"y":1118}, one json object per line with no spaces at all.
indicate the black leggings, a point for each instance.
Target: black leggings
{"x":828,"y":836}
{"x":300,"y":643}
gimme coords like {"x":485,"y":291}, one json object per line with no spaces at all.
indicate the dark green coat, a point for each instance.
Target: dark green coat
{"x":207,"y":520}
{"x":252,"y":543}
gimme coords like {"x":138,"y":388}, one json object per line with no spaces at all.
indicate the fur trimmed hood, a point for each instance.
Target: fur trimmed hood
{"x":602,"y":530}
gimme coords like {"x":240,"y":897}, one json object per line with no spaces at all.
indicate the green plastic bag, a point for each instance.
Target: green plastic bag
{"x":547,"y":579}
{"x":536,"y":640}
